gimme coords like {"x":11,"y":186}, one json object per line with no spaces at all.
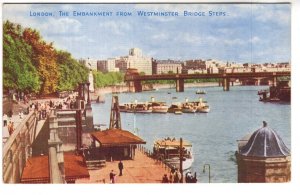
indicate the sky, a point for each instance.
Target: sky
{"x":253,"y":33}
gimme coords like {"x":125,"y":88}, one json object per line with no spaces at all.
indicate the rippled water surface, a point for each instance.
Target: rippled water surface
{"x":214,"y":135}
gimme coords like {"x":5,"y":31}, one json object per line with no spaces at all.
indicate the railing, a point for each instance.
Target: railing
{"x":158,"y":159}
{"x":17,"y":149}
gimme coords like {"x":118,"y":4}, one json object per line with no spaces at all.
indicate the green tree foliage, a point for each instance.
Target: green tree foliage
{"x":107,"y":79}
{"x":19,"y":72}
{"x":71,"y":72}
{"x":32,"y":65}
{"x":44,"y":59}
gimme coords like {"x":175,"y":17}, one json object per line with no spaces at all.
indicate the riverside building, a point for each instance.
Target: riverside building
{"x":166,"y":66}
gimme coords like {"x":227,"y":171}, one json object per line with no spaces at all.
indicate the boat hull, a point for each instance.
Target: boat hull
{"x":176,"y":163}
{"x":160,"y":109}
{"x":203,"y":109}
{"x":188,"y":110}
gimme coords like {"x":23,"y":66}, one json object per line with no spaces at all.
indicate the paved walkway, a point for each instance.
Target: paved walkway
{"x":140,"y":170}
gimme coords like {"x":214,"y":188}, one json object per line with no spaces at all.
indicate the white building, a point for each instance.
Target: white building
{"x":111,"y":65}
{"x":138,"y":61}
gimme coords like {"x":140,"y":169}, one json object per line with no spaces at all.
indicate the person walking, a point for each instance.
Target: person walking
{"x":5,"y":118}
{"x":165,"y":179}
{"x":120,"y":165}
{"x":112,"y":176}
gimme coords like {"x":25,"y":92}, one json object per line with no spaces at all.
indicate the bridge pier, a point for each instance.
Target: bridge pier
{"x":179,"y":85}
{"x":226,"y":84}
{"x":134,"y":86}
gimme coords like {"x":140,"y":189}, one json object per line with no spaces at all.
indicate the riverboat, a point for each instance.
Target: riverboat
{"x":158,"y":107}
{"x":169,"y":150}
{"x":200,"y":92}
{"x":123,"y":108}
{"x":137,"y":107}
{"x":142,"y":108}
{"x":188,"y":107}
{"x":175,"y":108}
{"x":201,"y":106}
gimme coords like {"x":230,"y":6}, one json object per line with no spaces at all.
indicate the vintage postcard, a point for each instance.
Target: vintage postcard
{"x":111,"y":93}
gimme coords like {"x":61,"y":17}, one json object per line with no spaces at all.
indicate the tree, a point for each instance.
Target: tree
{"x":71,"y":72}
{"x":44,"y":59}
{"x":18,"y":71}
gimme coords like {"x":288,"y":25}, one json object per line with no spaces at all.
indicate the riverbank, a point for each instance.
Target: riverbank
{"x":123,"y":88}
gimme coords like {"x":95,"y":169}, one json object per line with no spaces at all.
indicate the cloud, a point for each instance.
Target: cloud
{"x":61,"y":26}
{"x":190,"y":38}
{"x":160,"y":36}
{"x":232,"y":42}
{"x":255,"y":40}
{"x":115,"y":27}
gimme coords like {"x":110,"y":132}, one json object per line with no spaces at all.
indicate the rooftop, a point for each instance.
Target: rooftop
{"x":37,"y":169}
{"x":265,"y":142}
{"x":114,"y":137}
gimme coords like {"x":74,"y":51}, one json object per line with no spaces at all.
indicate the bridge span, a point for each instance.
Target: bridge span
{"x":134,"y":79}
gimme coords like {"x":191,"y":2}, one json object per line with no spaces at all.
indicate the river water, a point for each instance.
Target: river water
{"x":214,"y":135}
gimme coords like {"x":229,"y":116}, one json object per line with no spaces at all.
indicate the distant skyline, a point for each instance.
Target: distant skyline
{"x":254,"y":33}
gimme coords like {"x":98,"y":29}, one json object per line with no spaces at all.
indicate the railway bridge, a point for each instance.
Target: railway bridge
{"x":134,"y":79}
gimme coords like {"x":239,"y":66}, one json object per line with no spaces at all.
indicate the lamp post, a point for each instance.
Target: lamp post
{"x":208,"y":171}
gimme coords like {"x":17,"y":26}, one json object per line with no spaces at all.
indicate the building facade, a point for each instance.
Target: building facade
{"x":166,"y":66}
{"x":136,"y":60}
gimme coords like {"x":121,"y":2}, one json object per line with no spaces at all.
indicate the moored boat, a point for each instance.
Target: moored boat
{"x":175,"y":107}
{"x":200,"y":92}
{"x":142,"y":108}
{"x":203,"y":109}
{"x":158,"y":107}
{"x":169,"y":150}
{"x":188,"y":107}
{"x":201,"y":106}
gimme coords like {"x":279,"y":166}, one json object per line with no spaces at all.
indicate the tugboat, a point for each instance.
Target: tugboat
{"x":281,"y":92}
{"x":169,"y":150}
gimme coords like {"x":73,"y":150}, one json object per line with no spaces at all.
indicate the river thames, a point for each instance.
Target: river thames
{"x":214,"y":135}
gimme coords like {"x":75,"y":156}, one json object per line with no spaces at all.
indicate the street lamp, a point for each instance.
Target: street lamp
{"x":208,"y":171}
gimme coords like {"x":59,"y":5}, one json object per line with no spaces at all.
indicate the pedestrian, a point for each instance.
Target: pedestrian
{"x":10,"y":127}
{"x":177,"y":177}
{"x":112,"y":176}
{"x":5,"y":117}
{"x":188,"y":177}
{"x":165,"y":179}
{"x":172,"y":174}
{"x":120,"y":165}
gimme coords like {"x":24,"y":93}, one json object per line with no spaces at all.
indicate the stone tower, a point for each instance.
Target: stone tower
{"x":263,"y":157}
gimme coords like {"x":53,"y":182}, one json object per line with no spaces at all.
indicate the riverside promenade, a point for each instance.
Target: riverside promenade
{"x":142,"y":169}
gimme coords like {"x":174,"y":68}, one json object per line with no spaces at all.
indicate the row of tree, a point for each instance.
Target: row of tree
{"x":107,"y":79}
{"x":32,"y":65}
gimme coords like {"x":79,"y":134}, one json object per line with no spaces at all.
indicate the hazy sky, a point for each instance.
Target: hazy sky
{"x":247,"y":33}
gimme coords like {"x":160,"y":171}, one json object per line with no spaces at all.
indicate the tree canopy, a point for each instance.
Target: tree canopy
{"x":30,"y":64}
